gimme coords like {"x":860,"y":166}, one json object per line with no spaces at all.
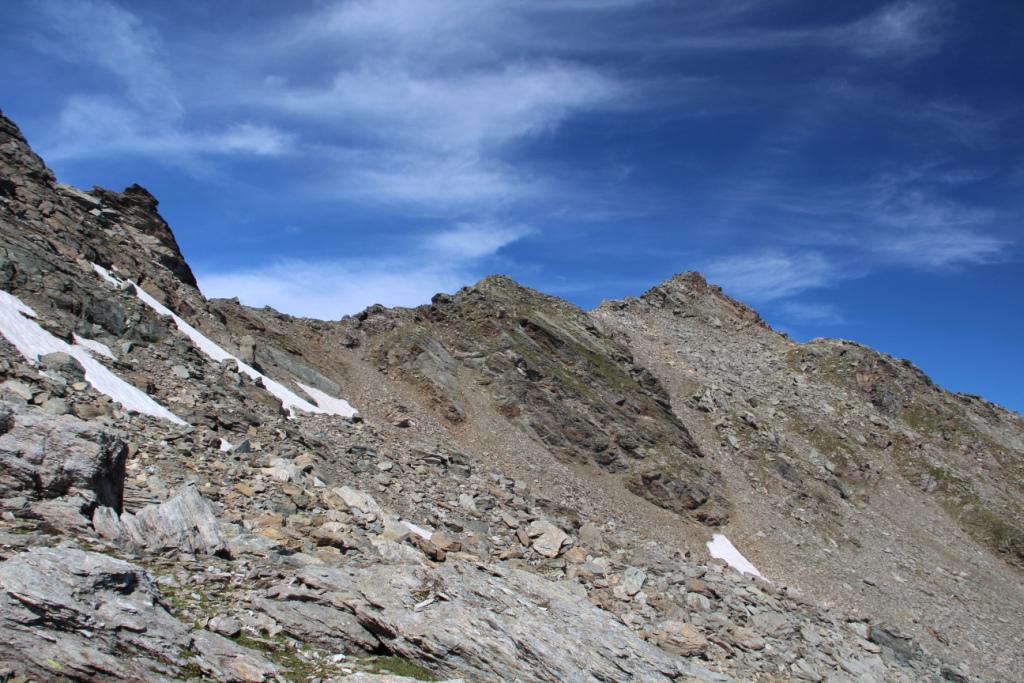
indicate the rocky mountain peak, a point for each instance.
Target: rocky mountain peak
{"x":22,"y":171}
{"x":140,"y":218}
{"x":690,"y":295}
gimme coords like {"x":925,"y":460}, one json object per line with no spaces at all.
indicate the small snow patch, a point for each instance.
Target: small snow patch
{"x":106,"y":275}
{"x":225,"y":445}
{"x":419,"y":531}
{"x":329,"y":404}
{"x":722,"y":548}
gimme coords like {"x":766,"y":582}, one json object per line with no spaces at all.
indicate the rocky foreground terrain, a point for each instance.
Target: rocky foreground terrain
{"x":525,"y":493}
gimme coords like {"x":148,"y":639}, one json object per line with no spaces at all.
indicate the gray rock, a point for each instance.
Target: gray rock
{"x":490,"y":624}
{"x":591,"y":537}
{"x":698,"y":602}
{"x":47,"y":456}
{"x":229,"y":662}
{"x":63,"y":364}
{"x":772,"y":624}
{"x":632,"y":580}
{"x":13,"y":390}
{"x":322,"y":624}
{"x":226,"y":626}
{"x":363,"y":677}
{"x":185,"y":522}
{"x":91,"y":608}
{"x":55,"y":406}
{"x":547,"y":538}
{"x":681,"y":638}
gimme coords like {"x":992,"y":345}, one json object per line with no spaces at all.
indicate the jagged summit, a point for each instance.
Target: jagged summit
{"x":523,"y":479}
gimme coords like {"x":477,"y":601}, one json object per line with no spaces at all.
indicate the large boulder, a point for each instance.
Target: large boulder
{"x":45,"y":456}
{"x":186,"y":522}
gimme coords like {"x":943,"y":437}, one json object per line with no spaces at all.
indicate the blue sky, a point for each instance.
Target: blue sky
{"x":850,"y":169}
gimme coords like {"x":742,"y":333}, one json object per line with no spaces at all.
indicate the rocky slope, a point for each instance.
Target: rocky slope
{"x":525,"y":494}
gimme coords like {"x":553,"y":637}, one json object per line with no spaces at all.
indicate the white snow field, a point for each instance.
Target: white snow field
{"x":723,"y":549}
{"x":94,"y":346}
{"x":33,"y":341}
{"x":291,"y":401}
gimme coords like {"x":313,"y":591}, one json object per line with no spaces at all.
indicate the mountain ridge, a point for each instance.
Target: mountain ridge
{"x":595,"y":450}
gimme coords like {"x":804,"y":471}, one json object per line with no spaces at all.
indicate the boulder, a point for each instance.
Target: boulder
{"x":48,"y":456}
{"x":681,"y":638}
{"x":185,"y":522}
{"x":547,"y":538}
{"x":94,"y":608}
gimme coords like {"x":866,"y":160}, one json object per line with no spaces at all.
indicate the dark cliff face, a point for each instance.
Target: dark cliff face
{"x":138,"y":214}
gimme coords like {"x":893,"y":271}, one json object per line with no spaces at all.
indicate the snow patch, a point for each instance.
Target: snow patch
{"x":94,"y":346}
{"x":329,"y":404}
{"x":105,"y":274}
{"x":225,"y":445}
{"x":722,"y":548}
{"x":289,"y":399}
{"x":419,"y":531}
{"x":33,"y":341}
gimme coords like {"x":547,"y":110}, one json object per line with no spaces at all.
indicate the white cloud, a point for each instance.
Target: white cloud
{"x":940,"y":248}
{"x":441,"y":262}
{"x":903,"y":28}
{"x":474,"y":241}
{"x":461,"y":114}
{"x":771,"y":275}
{"x":329,"y":290}
{"x":146,"y":116}
{"x":114,"y":39}
{"x":88,"y":124}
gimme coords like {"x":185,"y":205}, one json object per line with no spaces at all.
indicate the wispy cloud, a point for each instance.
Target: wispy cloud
{"x":474,"y":241}
{"x":906,"y":28}
{"x":88,"y":124}
{"x":940,"y":248}
{"x":899,"y":31}
{"x":463,"y":113}
{"x":771,"y":275}
{"x":114,"y":39}
{"x":145,"y":117}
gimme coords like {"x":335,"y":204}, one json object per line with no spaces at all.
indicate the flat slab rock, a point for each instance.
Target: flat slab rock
{"x":490,"y":625}
{"x":68,"y":614}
